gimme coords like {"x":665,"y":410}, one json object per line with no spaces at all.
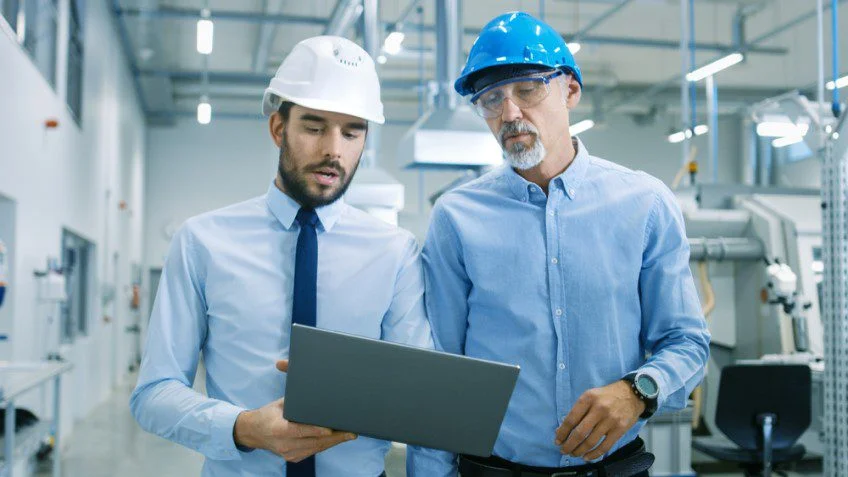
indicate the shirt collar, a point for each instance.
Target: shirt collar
{"x":285,"y":209}
{"x":569,"y":180}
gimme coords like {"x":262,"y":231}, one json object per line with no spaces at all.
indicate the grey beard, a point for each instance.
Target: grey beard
{"x":522,"y":158}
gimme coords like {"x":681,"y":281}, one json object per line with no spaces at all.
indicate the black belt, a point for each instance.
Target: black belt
{"x":625,"y":462}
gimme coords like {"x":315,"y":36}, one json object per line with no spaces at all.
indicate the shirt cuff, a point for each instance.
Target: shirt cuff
{"x":223,"y":427}
{"x":659,"y":378}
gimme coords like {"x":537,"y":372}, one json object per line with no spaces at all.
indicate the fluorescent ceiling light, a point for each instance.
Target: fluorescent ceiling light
{"x":786,"y":141}
{"x":393,"y":42}
{"x":715,"y":67}
{"x":204,"y":111}
{"x":582,"y":126}
{"x":574,"y":48}
{"x":679,"y":136}
{"x":205,"y":30}
{"x":781,"y":129}
{"x":840,"y":83}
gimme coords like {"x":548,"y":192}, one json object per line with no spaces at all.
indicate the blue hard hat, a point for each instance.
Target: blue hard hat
{"x":516,"y":39}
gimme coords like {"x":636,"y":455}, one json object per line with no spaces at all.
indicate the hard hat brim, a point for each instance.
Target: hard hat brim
{"x":270,"y":106}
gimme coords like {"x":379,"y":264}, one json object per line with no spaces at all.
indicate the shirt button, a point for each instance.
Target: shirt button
{"x":552,"y":213}
{"x":562,"y":366}
{"x":524,"y":199}
{"x":559,"y":311}
{"x":554,"y":261}
{"x":571,"y":192}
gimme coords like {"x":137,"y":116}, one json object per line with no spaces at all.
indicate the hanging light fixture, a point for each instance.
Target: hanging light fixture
{"x":204,"y":110}
{"x":205,"y":33}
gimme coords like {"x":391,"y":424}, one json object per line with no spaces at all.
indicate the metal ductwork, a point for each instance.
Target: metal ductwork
{"x":265,"y":36}
{"x":451,"y":135}
{"x":345,"y":14}
{"x":157,"y":93}
{"x":373,"y":189}
{"x":730,"y":249}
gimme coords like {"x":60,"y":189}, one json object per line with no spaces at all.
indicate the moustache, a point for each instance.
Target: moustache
{"x":515,"y":128}
{"x":335,"y":166}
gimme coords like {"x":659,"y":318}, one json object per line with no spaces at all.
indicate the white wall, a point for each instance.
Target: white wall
{"x":192,"y":169}
{"x":73,"y":177}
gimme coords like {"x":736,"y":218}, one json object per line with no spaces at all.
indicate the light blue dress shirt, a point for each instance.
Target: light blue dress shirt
{"x":576,"y":287}
{"x":226,"y":291}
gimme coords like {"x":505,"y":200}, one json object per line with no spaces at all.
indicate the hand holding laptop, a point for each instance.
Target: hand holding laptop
{"x":266,"y":428}
{"x":396,"y":392}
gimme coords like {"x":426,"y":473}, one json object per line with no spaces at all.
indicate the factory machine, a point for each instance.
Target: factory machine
{"x":756,"y":254}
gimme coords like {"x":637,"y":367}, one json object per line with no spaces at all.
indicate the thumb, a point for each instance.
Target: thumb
{"x":283,"y":365}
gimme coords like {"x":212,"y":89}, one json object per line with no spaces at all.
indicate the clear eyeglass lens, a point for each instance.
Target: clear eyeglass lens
{"x":525,"y":94}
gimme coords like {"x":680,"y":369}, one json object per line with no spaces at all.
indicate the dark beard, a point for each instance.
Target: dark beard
{"x":296,"y":186}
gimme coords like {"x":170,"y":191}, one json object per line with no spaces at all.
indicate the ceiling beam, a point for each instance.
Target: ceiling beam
{"x":168,"y":116}
{"x":344,"y":16}
{"x":674,"y":81}
{"x":238,"y":77}
{"x":598,"y":20}
{"x":265,"y":36}
{"x":193,"y":14}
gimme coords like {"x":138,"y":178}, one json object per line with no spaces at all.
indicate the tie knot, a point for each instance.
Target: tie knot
{"x":307,"y":217}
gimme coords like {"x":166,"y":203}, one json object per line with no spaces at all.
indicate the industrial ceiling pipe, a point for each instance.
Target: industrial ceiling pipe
{"x":372,"y":39}
{"x":730,"y":249}
{"x":448,"y":46}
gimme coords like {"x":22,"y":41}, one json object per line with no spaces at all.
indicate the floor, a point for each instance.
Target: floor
{"x":109,"y":443}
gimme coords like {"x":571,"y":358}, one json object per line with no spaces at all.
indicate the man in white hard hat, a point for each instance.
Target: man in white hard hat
{"x":236,"y":279}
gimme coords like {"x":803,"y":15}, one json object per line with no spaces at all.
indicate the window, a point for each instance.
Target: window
{"x":77,"y":254}
{"x":39,"y":35}
{"x":75,"y":56}
{"x":35,"y":25}
{"x":10,"y":12}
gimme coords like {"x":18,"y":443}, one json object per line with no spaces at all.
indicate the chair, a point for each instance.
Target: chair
{"x":763,"y":409}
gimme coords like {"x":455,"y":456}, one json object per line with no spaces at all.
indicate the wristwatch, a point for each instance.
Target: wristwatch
{"x":646,"y":389}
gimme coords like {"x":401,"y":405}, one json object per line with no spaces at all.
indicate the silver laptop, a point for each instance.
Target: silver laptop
{"x":396,"y":392}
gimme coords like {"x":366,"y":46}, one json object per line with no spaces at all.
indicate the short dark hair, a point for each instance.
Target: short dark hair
{"x":494,"y":74}
{"x":285,"y":109}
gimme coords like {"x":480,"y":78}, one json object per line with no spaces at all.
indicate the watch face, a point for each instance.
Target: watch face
{"x":646,"y":385}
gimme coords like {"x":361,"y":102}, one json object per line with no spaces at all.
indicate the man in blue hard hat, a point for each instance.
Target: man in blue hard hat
{"x":573,"y":267}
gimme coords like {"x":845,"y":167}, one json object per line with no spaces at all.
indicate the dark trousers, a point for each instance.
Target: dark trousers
{"x":494,"y":466}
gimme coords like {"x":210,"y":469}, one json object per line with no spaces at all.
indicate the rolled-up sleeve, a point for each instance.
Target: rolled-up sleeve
{"x":674,"y":331}
{"x":163,"y":401}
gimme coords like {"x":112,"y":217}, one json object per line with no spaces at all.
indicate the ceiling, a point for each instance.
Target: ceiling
{"x":629,"y":47}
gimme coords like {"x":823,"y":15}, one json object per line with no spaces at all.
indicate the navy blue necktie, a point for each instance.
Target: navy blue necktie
{"x":305,"y":297}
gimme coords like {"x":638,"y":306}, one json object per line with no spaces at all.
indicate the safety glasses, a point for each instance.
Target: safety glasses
{"x":524,"y":92}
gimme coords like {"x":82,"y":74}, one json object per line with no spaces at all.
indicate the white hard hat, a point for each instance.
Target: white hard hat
{"x":328,"y":73}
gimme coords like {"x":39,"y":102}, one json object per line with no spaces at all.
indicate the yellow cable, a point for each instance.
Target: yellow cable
{"x":693,"y":151}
